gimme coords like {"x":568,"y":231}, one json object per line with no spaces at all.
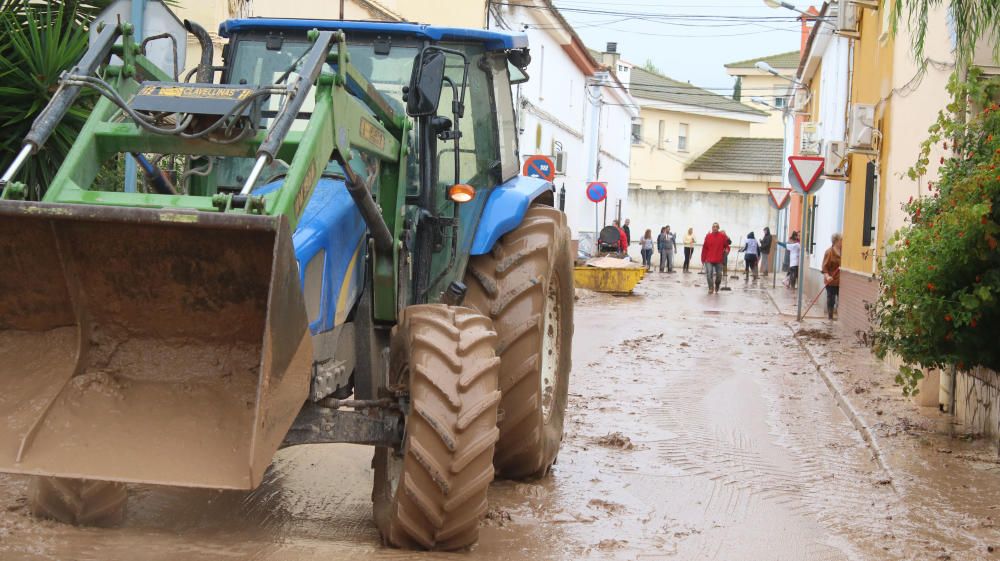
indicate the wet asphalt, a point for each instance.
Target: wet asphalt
{"x":698,"y":428}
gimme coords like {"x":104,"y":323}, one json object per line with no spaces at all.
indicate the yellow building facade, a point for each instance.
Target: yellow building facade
{"x":764,"y":91}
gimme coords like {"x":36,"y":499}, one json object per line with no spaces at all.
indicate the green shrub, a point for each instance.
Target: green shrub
{"x":939,"y":294}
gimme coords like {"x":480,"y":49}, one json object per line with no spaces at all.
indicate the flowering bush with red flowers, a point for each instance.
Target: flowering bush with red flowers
{"x":939,"y":293}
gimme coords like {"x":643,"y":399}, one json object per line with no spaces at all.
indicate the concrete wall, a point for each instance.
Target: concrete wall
{"x":977,"y":401}
{"x":736,"y":213}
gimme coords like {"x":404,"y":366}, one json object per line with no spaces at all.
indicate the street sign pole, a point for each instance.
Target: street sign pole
{"x":774,"y":266}
{"x":597,"y":191}
{"x":802,"y":243}
{"x":597,"y":233}
{"x":805,"y":178}
{"x":778,"y":197}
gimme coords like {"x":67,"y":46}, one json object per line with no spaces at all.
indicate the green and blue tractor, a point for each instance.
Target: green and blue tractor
{"x":330,"y":243}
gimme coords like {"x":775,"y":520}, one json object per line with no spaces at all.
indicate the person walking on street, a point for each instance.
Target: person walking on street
{"x":669,"y":250}
{"x":647,"y":249}
{"x":765,"y":252}
{"x":688,"y":249}
{"x":661,"y":247}
{"x":751,"y":252}
{"x":793,"y":248}
{"x":628,"y":232}
{"x":712,"y":252}
{"x":831,"y":273}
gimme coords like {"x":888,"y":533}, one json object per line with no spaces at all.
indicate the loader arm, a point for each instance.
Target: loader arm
{"x":173,"y":327}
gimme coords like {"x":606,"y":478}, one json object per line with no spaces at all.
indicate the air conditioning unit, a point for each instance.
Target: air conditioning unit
{"x":809,"y":139}
{"x":847,"y":19}
{"x":861,"y":127}
{"x":835,"y":159}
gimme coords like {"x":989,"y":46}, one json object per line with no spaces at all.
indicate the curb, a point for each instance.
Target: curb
{"x":846,"y":406}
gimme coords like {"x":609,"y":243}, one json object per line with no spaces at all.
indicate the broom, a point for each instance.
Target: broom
{"x":825,"y":283}
{"x":725,"y":277}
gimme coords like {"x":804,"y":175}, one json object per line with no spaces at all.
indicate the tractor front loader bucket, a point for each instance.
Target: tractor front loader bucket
{"x":147,"y":345}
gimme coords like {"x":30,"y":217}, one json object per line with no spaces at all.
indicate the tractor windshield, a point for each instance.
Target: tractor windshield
{"x":260,"y":60}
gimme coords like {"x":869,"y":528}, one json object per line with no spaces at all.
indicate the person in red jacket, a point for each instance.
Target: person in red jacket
{"x":712,"y":253}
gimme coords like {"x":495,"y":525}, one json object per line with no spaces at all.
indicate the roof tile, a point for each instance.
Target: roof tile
{"x":657,"y":87}
{"x":780,"y":60}
{"x":754,"y":156}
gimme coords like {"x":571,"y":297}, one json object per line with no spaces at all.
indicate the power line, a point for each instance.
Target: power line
{"x":657,"y":16}
{"x":661,"y":4}
{"x":707,"y":89}
{"x":665,"y":35}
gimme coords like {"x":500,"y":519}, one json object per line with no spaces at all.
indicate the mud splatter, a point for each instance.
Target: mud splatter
{"x":616,"y":440}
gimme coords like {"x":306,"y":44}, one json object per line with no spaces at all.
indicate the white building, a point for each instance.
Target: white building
{"x":825,"y":69}
{"x":572,"y":109}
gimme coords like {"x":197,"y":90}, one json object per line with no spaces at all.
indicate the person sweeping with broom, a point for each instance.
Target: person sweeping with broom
{"x":831,"y":273}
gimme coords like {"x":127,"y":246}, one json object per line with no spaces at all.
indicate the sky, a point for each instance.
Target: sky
{"x":688,"y":40}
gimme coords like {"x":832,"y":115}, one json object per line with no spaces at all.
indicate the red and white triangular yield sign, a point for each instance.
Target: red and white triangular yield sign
{"x":779,"y":196}
{"x":806,"y":170}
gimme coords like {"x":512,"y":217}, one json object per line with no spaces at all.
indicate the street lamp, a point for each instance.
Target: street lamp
{"x":765,"y":67}
{"x":762,"y":101}
{"x":776,"y":4}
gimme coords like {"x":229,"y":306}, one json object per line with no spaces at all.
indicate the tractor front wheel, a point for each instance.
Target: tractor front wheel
{"x":525,"y":285}
{"x":431,"y":494}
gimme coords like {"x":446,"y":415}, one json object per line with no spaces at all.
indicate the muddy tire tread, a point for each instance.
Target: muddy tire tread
{"x":78,"y":502}
{"x":451,"y":433}
{"x":499,"y":283}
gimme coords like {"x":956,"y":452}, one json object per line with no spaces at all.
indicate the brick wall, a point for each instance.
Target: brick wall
{"x":855,"y":291}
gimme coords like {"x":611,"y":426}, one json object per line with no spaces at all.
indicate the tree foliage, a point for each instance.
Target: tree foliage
{"x":939,"y":296}
{"x":41,"y":40}
{"x":970,"y":20}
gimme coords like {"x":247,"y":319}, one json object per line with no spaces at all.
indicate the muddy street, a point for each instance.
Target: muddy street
{"x":698,"y":428}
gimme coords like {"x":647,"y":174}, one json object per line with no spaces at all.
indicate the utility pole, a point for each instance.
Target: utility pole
{"x":593,"y":153}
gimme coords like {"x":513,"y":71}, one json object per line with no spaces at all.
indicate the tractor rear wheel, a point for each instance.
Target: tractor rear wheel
{"x":525,"y":285}
{"x":80,"y":502}
{"x":431,"y":494}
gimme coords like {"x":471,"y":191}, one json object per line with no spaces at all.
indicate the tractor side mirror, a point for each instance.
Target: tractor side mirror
{"x":426,"y":81}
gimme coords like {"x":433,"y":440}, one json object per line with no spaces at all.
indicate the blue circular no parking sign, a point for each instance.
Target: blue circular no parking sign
{"x":597,"y":191}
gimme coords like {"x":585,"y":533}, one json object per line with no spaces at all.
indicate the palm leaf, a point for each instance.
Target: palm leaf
{"x":971,"y":22}
{"x":40,"y":42}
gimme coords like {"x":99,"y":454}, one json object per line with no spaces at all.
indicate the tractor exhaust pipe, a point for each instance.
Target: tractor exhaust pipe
{"x":205,"y":73}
